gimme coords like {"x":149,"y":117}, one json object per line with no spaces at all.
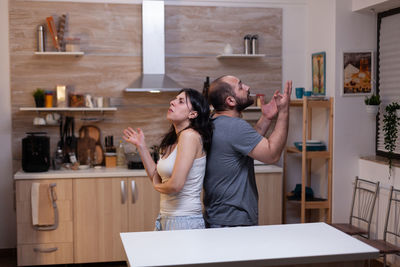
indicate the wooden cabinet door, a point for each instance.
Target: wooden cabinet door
{"x":144,"y":204}
{"x":269,"y":187}
{"x":100,"y":215}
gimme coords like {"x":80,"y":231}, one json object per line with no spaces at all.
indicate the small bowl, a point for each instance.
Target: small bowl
{"x":84,"y":167}
{"x":307,"y":93}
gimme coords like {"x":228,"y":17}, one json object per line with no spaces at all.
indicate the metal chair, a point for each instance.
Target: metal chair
{"x":391,"y":228}
{"x":362,"y":208}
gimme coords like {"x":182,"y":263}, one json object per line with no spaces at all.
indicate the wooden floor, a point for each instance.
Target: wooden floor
{"x":8,"y":258}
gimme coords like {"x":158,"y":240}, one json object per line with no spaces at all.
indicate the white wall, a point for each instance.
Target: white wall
{"x":7,"y":213}
{"x":321,"y":37}
{"x":354,"y":130}
{"x":333,"y":27}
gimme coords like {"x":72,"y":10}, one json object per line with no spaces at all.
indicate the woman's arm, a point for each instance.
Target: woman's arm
{"x":137,"y":139}
{"x":189,"y":145}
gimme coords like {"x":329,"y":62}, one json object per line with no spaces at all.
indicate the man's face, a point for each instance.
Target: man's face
{"x":242,"y":94}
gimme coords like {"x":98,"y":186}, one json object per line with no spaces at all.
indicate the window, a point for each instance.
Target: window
{"x":388,"y":71}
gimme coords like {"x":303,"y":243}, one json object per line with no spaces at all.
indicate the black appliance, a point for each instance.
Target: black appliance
{"x":36,"y":152}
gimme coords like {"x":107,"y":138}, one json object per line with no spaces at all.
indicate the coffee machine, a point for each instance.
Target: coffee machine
{"x":36,"y":152}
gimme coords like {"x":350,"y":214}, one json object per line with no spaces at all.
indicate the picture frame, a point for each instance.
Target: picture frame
{"x":357,"y":73}
{"x":318,"y":66}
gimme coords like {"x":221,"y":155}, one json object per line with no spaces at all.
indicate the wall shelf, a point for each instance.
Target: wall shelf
{"x":69,"y":109}
{"x":241,"y":56}
{"x":77,"y":54}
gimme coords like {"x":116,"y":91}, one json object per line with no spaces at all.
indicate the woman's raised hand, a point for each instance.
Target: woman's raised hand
{"x":134,"y":137}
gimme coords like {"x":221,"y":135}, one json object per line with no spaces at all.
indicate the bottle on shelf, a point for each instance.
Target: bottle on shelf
{"x":89,"y":159}
{"x":120,"y":154}
{"x":40,"y":39}
{"x":206,"y":86}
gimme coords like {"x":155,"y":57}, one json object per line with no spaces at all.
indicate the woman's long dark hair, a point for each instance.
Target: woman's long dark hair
{"x":201,"y":123}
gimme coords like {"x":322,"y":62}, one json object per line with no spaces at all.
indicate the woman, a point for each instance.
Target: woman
{"x":179,"y":173}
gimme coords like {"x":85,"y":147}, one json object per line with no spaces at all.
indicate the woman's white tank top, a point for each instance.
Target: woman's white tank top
{"x":186,"y":202}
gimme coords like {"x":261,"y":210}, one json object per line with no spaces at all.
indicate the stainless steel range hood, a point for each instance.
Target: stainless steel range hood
{"x":153,"y":78}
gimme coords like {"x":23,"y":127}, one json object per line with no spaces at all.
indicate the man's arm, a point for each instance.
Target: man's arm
{"x":269,"y":150}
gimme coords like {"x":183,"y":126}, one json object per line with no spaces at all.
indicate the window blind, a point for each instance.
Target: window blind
{"x":388,"y":70}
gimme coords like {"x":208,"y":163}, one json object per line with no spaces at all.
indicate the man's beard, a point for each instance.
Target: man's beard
{"x":241,"y":104}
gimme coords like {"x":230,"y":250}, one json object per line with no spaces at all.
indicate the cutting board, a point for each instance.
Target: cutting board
{"x":89,"y":142}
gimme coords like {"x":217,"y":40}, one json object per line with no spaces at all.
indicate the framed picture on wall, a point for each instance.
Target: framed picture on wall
{"x":357,"y":73}
{"x":318,"y":64}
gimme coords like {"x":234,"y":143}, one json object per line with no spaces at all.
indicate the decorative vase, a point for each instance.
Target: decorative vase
{"x":372,"y":109}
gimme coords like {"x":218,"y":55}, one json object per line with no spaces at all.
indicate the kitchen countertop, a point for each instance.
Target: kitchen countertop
{"x":110,"y":172}
{"x":270,"y":245}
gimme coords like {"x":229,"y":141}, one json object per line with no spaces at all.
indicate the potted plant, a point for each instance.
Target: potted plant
{"x":372,"y":104}
{"x":390,"y":123}
{"x":39,"y":97}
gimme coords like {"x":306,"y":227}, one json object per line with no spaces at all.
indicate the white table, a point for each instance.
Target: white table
{"x":245,"y":246}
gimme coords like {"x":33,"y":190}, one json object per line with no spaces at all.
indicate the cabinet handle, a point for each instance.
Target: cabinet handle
{"x":123,"y":192}
{"x":133,"y":185}
{"x":45,"y":250}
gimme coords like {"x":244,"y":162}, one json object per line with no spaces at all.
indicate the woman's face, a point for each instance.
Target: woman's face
{"x":180,"y":108}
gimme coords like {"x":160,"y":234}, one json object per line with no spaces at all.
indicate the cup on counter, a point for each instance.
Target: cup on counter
{"x":308,"y":93}
{"x":299,"y":92}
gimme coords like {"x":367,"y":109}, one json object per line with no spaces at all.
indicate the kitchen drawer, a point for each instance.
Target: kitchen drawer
{"x":26,"y":234}
{"x":40,"y":254}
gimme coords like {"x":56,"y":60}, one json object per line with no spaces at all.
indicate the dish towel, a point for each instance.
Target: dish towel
{"x":42,"y":204}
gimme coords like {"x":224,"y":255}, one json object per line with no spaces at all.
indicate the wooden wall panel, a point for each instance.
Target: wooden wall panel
{"x":111,"y":39}
{"x":103,"y":28}
{"x":262,"y":75}
{"x":206,"y":30}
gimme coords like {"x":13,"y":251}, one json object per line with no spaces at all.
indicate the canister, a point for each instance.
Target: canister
{"x":247,"y":46}
{"x":254,"y":44}
{"x":40,"y":38}
{"x":48,"y":99}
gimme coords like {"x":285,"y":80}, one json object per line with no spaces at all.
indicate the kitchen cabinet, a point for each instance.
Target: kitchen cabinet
{"x":269,"y":186}
{"x":37,"y":247}
{"x":100,"y":214}
{"x":324,"y":205}
{"x":105,"y":207}
{"x":95,"y":206}
{"x":144,"y":205}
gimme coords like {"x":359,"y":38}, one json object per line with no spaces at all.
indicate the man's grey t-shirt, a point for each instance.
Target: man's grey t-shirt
{"x":230,"y":191}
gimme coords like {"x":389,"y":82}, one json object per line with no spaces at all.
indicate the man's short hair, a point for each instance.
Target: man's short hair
{"x":218,"y":92}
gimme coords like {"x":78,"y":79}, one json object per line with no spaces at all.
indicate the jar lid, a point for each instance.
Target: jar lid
{"x":49,"y":92}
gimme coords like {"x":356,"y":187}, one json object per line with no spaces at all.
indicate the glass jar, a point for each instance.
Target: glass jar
{"x":72,"y":44}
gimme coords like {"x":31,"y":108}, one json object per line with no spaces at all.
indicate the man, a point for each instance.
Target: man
{"x":231,"y":197}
